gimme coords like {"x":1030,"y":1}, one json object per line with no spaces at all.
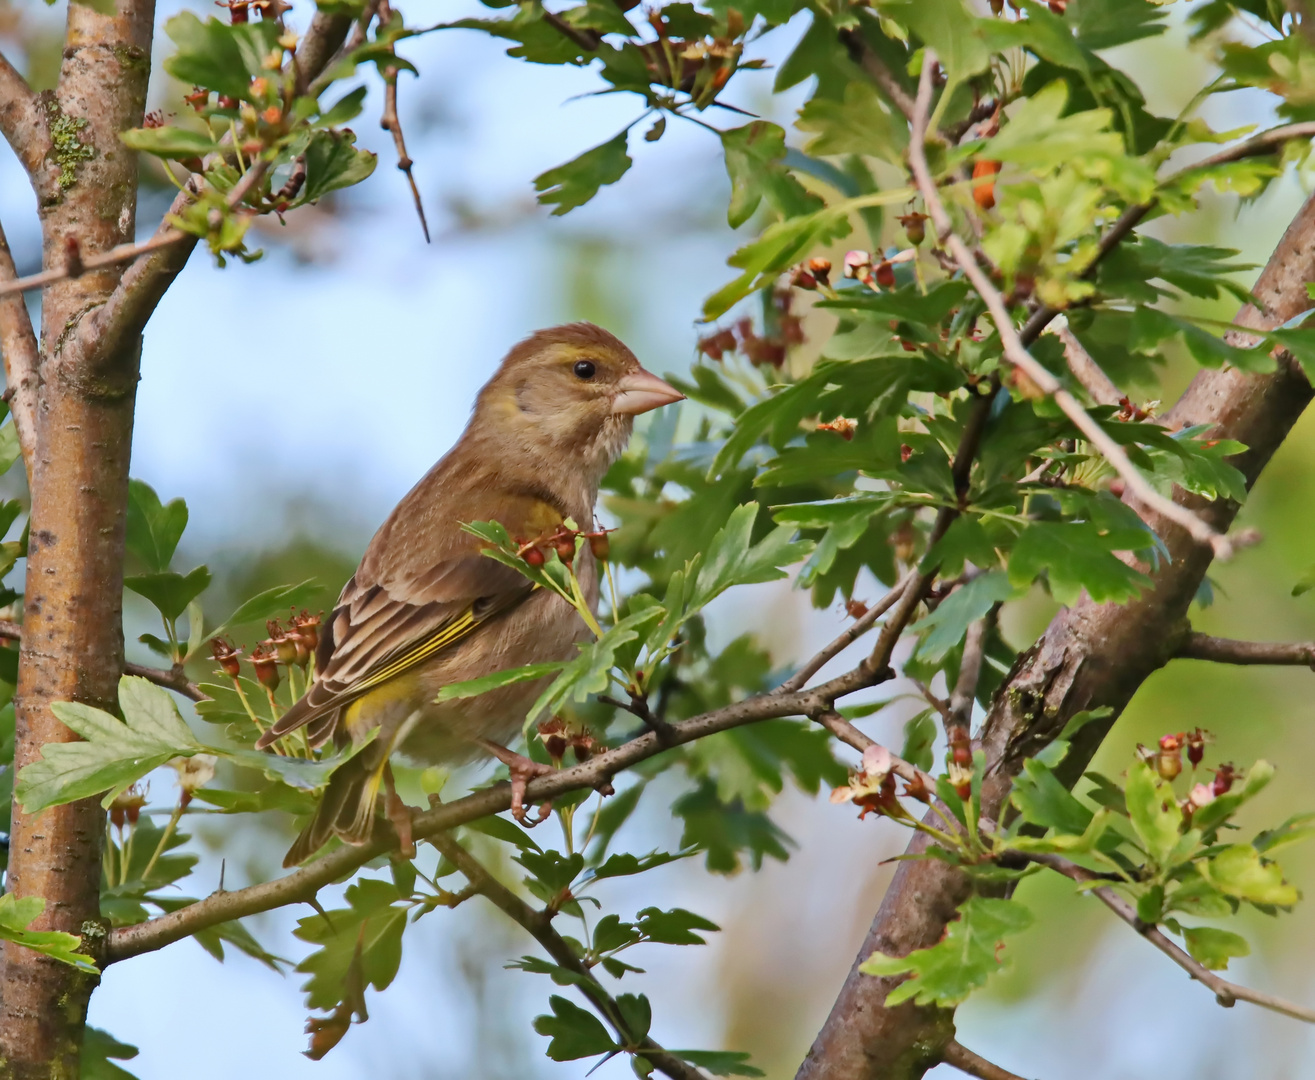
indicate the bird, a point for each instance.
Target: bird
{"x":426,"y":608}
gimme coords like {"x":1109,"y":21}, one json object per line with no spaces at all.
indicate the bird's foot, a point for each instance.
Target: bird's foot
{"x":522,"y":770}
{"x":399,"y":816}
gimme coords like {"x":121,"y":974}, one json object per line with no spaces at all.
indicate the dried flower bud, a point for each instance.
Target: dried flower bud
{"x":917,"y":789}
{"x":717,"y":345}
{"x":583,"y":745}
{"x":802,"y":279}
{"x":127,"y":806}
{"x":326,"y":1032}
{"x":1224,"y":777}
{"x":905,"y":452}
{"x":1195,"y":741}
{"x":856,"y":608}
{"x":308,"y":626}
{"x":566,"y":548}
{"x":198,"y":98}
{"x":600,"y":546}
{"x":820,"y":268}
{"x":283,"y":646}
{"x":842,"y":426}
{"x":227,"y":656}
{"x":1169,"y":765}
{"x":267,"y":667}
{"x":193,"y":773}
{"x":884,"y":274}
{"x":226,"y":102}
{"x":915,"y":227}
{"x":961,"y":779}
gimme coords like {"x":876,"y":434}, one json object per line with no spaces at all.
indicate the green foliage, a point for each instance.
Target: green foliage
{"x":16,"y":915}
{"x":576,"y":182}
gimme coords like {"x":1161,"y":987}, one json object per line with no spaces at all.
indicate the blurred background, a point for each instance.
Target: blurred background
{"x":292,"y":402}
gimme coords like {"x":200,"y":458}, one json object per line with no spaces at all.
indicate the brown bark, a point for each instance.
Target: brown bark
{"x":1090,"y":656}
{"x":73,"y":647}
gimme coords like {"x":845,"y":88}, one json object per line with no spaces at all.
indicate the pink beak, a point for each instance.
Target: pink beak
{"x":641,"y":391}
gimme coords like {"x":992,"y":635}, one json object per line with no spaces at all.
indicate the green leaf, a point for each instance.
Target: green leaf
{"x":10,"y":450}
{"x":1305,"y":583}
{"x":333,"y":162}
{"x":153,"y":530}
{"x":753,"y":160}
{"x":1078,"y":555}
{"x":727,"y":831}
{"x":1153,"y":810}
{"x":1044,"y":801}
{"x":719,"y":1062}
{"x":732,"y":560}
{"x":98,"y":1048}
{"x":16,"y":915}
{"x":575,"y":1032}
{"x":114,"y":754}
{"x":577,"y":181}
{"x":1213,"y":948}
{"x":1296,"y":828}
{"x":624,"y":864}
{"x":674,"y":927}
{"x":168,"y":591}
{"x":1238,"y":870}
{"x":346,"y":108}
{"x":591,"y":671}
{"x":961,"y":961}
{"x":861,"y":123}
{"x":637,"y":1013}
{"x":919,"y":737}
{"x":169,"y":142}
{"x":268,"y":604}
{"x":218,"y":56}
{"x":368,"y":933}
{"x":952,"y":30}
{"x":509,"y":677}
{"x":946,"y":626}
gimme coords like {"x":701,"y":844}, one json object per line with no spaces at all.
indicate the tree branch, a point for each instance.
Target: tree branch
{"x":303,"y":884}
{"x":539,"y":925}
{"x":9,"y":284}
{"x":1088,"y":373}
{"x":848,"y":734}
{"x":23,"y":124}
{"x":22,"y":358}
{"x":1016,"y":353}
{"x":174,"y":678}
{"x":970,"y":673}
{"x":1227,"y":651}
{"x":1226,"y":993}
{"x":956,"y":1054}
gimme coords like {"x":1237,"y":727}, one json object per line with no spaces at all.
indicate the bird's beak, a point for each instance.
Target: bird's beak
{"x":641,"y":391}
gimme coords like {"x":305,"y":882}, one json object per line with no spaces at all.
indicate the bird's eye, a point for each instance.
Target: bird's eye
{"x":584,"y":369}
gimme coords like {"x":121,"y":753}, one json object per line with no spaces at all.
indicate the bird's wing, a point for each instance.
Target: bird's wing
{"x":382,"y":629}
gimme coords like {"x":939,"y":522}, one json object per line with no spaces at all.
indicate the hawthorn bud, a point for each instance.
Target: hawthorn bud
{"x":283,"y":646}
{"x":566,"y":548}
{"x":127,"y":806}
{"x":1195,"y":741}
{"x":227,"y":656}
{"x":308,"y":626}
{"x":267,"y":667}
{"x":600,"y":546}
{"x":802,"y":279}
{"x":226,"y":102}
{"x":1169,"y":761}
{"x":553,"y":734}
{"x":820,"y":268}
{"x":1224,"y":777}
{"x":856,"y":609}
{"x":534,"y":556}
{"x":915,"y":227}
{"x":885,"y":274}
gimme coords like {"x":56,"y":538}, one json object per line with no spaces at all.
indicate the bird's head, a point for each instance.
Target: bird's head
{"x":569,"y":393}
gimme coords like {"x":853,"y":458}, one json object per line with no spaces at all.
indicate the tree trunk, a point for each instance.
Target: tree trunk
{"x":73,"y":637}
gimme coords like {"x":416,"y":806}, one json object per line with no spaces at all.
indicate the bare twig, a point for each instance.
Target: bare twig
{"x":390,"y":123}
{"x":1226,"y":993}
{"x":848,"y":734}
{"x":970,"y":671}
{"x":876,"y":70}
{"x":1016,"y":353}
{"x":1088,"y":373}
{"x":857,"y":629}
{"x":539,"y":926}
{"x":22,"y":358}
{"x":956,"y":1054}
{"x":172,"y":679}
{"x":121,"y":254}
{"x":1227,"y":651}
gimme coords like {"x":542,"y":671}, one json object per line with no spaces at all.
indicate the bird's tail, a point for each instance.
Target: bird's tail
{"x":346,"y":809}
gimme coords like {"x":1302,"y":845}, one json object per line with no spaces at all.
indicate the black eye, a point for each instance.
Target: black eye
{"x":584,"y":369}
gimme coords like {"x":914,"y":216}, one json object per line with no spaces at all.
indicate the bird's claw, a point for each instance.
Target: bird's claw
{"x":522,"y":771}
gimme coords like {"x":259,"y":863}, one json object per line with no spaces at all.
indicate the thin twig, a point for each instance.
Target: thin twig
{"x":122,"y":253}
{"x":857,"y":629}
{"x":22,"y":358}
{"x":1227,"y":651}
{"x":1016,"y":353}
{"x":588,"y":40}
{"x":970,"y":672}
{"x":848,"y":734}
{"x":172,"y":679}
{"x":390,"y":123}
{"x":539,"y":926}
{"x":1089,"y":374}
{"x":956,"y":1054}
{"x":1226,"y":993}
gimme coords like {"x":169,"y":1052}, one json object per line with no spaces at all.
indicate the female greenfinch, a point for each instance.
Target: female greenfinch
{"x":426,"y":608}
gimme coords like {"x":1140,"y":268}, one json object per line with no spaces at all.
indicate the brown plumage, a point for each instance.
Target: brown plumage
{"x":425,"y":608}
